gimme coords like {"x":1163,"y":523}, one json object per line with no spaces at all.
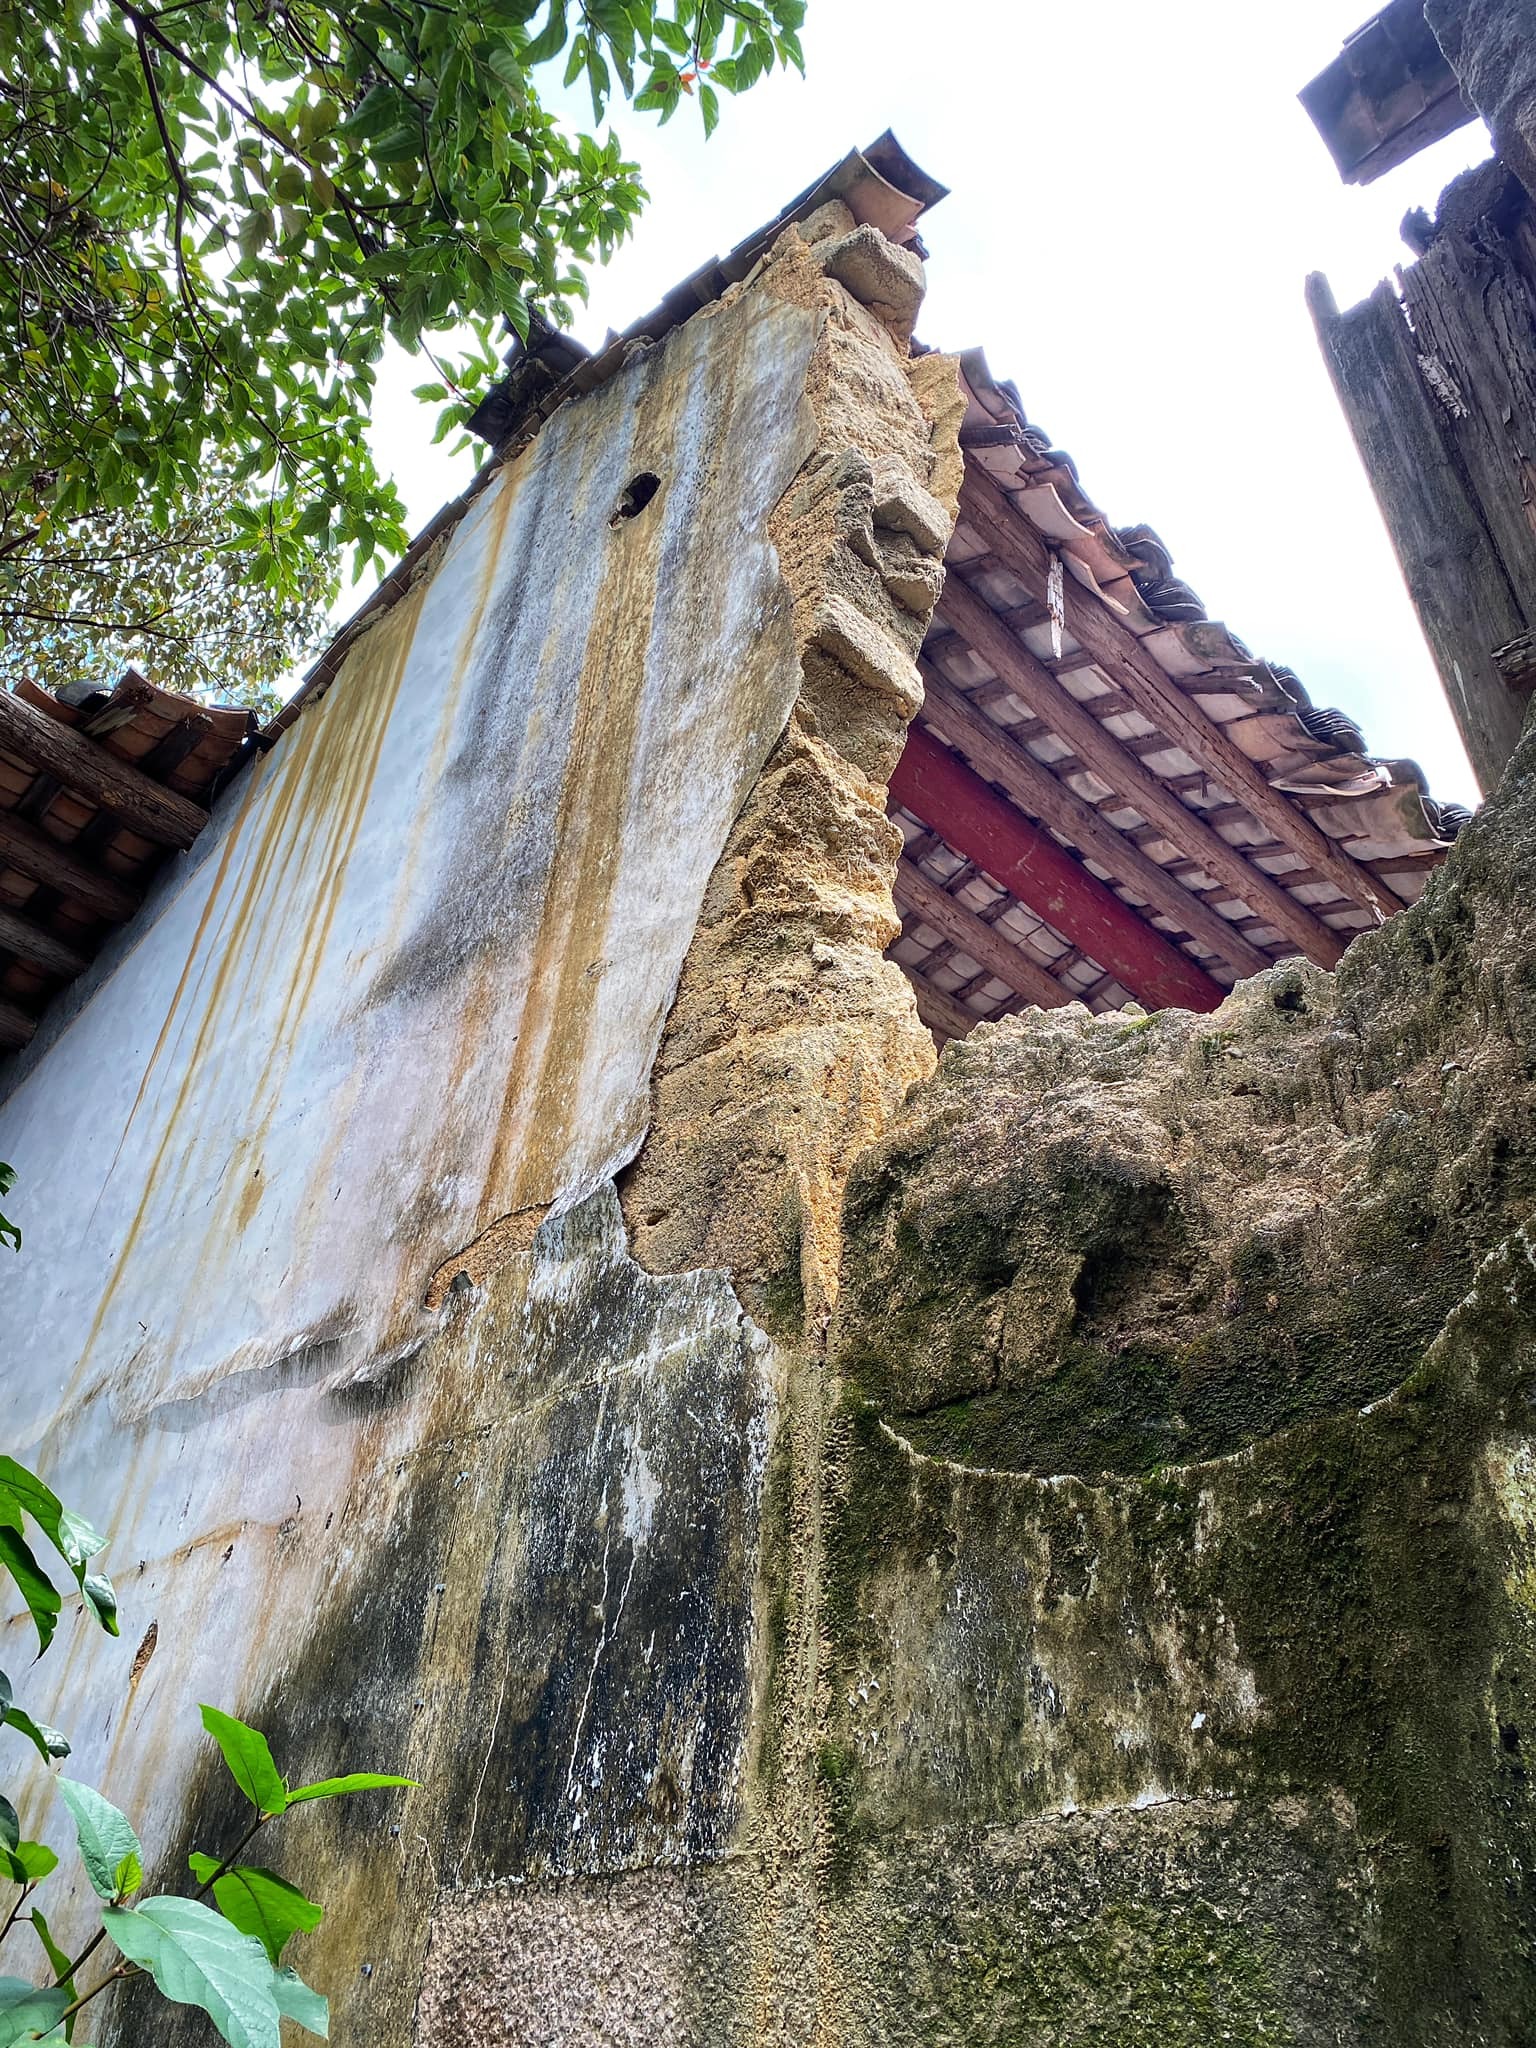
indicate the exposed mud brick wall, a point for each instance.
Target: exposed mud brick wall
{"x":1181,"y":1552}
{"x":793,"y":1041}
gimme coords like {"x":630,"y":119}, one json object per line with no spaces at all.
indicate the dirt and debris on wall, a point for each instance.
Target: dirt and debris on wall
{"x":1183,"y":1527}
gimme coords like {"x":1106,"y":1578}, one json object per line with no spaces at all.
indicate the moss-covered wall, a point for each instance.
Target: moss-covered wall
{"x":1179,"y":1586}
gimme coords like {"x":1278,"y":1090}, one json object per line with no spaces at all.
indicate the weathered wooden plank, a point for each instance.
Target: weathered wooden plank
{"x":1474,"y":328}
{"x":1100,"y":751}
{"x":993,"y":753}
{"x":1457,"y":579}
{"x":987,"y":829}
{"x":1516,"y":663}
{"x":973,"y":935}
{"x":28,"y":942}
{"x":34,"y":854}
{"x":1120,"y":654}
{"x":91,"y":770}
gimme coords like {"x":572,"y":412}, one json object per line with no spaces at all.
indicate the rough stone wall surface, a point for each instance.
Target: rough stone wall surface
{"x":1180,"y":1553}
{"x":1491,"y":46}
{"x":793,"y":1040}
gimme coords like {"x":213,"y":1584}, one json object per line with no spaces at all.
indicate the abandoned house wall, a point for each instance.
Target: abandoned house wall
{"x":328,"y":1309}
{"x":1180,"y":1545}
{"x":1040,"y":1549}
{"x":403,"y":1006}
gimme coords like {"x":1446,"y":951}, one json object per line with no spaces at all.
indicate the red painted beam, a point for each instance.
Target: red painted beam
{"x":947,"y":794}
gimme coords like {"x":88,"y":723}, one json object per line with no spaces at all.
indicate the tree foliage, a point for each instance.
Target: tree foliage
{"x":179,"y":598}
{"x":214,"y":212}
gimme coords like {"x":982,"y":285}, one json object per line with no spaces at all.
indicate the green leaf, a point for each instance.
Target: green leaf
{"x":48,"y":1742}
{"x":28,"y":1862}
{"x":307,"y":2009}
{"x":337,"y":1788}
{"x":197,"y":1958}
{"x":71,"y":1535}
{"x":10,"y":1826}
{"x":26,"y":2010}
{"x":102,"y":1601}
{"x":107,"y":1841}
{"x":259,"y":1902}
{"x":128,"y":1875}
{"x":59,"y":1963}
{"x":35,"y":1587}
{"x":550,"y":40}
{"x":249,"y":1759}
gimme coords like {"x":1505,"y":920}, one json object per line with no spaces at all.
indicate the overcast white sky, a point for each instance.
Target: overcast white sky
{"x":1136,"y":198}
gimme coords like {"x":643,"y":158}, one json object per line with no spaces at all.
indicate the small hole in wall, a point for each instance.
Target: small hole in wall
{"x":635,"y":496}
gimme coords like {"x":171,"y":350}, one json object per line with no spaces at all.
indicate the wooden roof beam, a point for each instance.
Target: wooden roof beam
{"x":29,"y":942}
{"x":41,"y":859}
{"x":90,"y":770}
{"x":987,"y":828}
{"x":1120,"y":654}
{"x":1029,"y":782}
{"x":1103,"y":753}
{"x":940,"y":1012}
{"x":973,"y":935}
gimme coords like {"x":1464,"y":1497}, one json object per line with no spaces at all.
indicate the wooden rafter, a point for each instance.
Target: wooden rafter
{"x":941,"y":789}
{"x":973,"y":935}
{"x":993,"y":753}
{"x":91,"y":770}
{"x":1099,"y":750}
{"x":940,"y":1012}
{"x":41,"y":859}
{"x":16,"y":1027}
{"x":1120,"y":654}
{"x":30,"y":942}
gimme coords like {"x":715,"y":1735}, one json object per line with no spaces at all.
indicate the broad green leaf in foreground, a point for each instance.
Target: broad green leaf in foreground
{"x":336,"y":1788}
{"x":33,"y":1583}
{"x":197,"y":1958}
{"x":109,"y":1848}
{"x":70,"y":1534}
{"x":249,"y":1760}
{"x":27,"y":2010}
{"x":307,"y":2009}
{"x":259,"y":1902}
{"x":58,"y":1962}
{"x":102,"y":1601}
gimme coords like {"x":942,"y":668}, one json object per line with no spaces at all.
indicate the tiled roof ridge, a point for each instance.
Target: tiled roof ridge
{"x":1139,"y":554}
